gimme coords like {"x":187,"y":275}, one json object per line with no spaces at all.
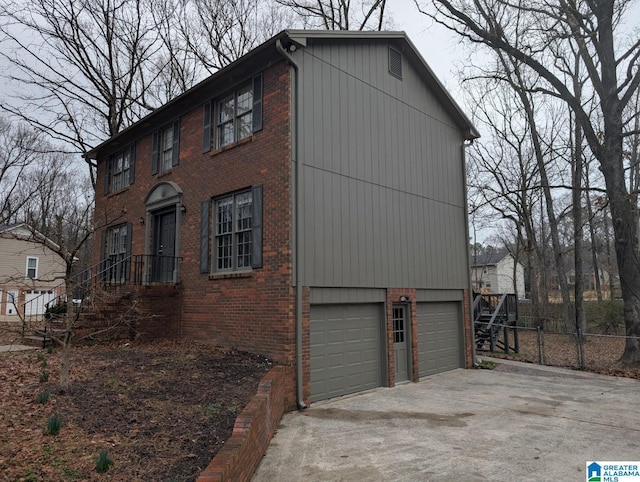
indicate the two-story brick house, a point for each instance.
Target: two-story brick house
{"x":307,"y":202}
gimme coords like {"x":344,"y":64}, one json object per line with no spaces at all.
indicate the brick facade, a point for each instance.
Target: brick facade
{"x":252,"y":311}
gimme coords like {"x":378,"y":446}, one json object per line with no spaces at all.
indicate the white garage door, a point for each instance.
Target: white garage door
{"x":439,"y":338}
{"x":346,"y":349}
{"x":36,"y":301}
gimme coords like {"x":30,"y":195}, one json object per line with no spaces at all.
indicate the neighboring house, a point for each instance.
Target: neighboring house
{"x":31,"y":273}
{"x":306,"y":202}
{"x":494,"y":273}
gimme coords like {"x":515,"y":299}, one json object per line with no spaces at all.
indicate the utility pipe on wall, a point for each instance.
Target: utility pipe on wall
{"x":296,"y":223}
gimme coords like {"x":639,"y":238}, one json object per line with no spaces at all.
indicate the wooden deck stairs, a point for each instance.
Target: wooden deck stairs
{"x":495,"y":318}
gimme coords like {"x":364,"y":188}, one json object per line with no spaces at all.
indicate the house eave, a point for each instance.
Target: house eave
{"x":258,"y":59}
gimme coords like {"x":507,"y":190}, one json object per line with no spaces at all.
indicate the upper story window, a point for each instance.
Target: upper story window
{"x":166,"y":148}
{"x":236,"y":222}
{"x":32,"y":267}
{"x":120,"y":170}
{"x":236,"y":116}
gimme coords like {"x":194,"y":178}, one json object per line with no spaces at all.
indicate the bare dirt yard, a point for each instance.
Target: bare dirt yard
{"x":160,"y":410}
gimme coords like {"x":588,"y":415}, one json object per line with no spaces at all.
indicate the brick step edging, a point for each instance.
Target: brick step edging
{"x":241,"y":454}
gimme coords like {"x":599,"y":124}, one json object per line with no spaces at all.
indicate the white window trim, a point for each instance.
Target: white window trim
{"x":235,"y":117}
{"x":123,"y":175}
{"x":36,"y":268}
{"x":233,"y":234}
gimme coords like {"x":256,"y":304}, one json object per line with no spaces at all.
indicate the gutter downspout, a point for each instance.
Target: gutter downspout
{"x":474,"y":355}
{"x":296,"y":224}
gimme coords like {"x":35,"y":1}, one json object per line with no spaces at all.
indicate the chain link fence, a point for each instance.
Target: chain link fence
{"x":583,"y":351}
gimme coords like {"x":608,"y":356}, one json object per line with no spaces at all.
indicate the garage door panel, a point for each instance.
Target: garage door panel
{"x":439,"y":337}
{"x":346,"y":349}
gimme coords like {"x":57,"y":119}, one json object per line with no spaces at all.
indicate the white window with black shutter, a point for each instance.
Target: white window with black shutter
{"x":234,"y":116}
{"x":166,"y":148}
{"x":231,"y":232}
{"x":120,"y":170}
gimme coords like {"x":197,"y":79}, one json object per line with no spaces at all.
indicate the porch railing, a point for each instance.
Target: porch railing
{"x":110,"y":273}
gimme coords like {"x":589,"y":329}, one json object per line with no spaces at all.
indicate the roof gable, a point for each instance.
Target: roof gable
{"x":490,"y":259}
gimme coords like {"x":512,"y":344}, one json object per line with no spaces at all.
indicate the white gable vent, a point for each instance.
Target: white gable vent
{"x":395,"y":63}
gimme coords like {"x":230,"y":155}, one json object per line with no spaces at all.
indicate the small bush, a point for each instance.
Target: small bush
{"x":103,"y":462}
{"x":44,"y":377}
{"x":212,"y":409}
{"x":54,"y":424}
{"x":42,"y":397}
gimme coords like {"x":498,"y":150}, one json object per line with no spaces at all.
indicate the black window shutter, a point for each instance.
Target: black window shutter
{"x":107,"y":174}
{"x":103,"y":262}
{"x":127,"y":262}
{"x":257,"y":103}
{"x":256,"y":224}
{"x":204,"y":237}
{"x":176,"y":143}
{"x":132,"y":163}
{"x":206,"y":127}
{"x":154,"y":155}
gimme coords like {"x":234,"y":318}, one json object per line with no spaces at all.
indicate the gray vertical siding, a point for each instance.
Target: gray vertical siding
{"x":382,"y":175}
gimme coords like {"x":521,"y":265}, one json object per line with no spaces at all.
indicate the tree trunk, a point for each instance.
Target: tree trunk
{"x":65,"y":364}
{"x":67,"y":336}
{"x":594,"y":242}
{"x":625,"y":236}
{"x":581,"y":321}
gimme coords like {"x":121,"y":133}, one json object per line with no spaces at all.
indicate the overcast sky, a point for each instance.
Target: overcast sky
{"x":439,"y":47}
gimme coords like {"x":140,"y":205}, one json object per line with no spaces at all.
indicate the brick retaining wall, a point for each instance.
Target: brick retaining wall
{"x":238,"y":460}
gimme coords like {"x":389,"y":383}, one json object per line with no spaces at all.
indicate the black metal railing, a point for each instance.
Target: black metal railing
{"x":137,"y":270}
{"x":111,"y":273}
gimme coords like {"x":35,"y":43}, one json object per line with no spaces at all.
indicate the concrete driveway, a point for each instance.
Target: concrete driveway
{"x":518,"y":422}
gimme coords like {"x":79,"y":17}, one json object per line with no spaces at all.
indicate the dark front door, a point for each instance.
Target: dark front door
{"x":164,"y":245}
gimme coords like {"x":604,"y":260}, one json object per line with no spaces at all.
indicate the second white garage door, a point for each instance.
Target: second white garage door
{"x":346,"y":349}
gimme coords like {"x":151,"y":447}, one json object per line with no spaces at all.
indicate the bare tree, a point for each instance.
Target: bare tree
{"x":339,"y":14}
{"x":525,"y":33}
{"x":20,"y":150}
{"x":517,"y":172}
{"x":80,"y":66}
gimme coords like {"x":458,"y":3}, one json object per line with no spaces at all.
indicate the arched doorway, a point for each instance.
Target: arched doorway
{"x":162,"y":235}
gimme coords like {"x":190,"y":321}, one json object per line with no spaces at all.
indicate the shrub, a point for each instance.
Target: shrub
{"x":55,"y":311}
{"x":42,"y":397}
{"x":103,"y":462}
{"x":44,"y":377}
{"x":54,"y":424}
